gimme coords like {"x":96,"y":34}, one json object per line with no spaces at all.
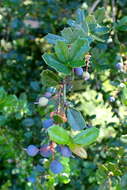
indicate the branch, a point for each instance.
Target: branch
{"x":113,"y":11}
{"x":94,"y":6}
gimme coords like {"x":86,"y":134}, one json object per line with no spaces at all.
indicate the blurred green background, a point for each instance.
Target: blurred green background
{"x":23,"y":25}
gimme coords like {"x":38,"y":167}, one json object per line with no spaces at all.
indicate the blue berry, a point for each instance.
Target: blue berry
{"x":58,"y":148}
{"x":65,"y":151}
{"x":32,"y":150}
{"x":45,"y":151}
{"x":31,"y":179}
{"x":78,"y":71}
{"x":47,"y":123}
{"x":119,"y":66}
{"x":112,"y":99}
{"x":56,"y":167}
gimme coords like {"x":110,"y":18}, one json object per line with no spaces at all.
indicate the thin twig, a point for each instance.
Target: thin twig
{"x":64,"y":92}
{"x":94,"y":6}
{"x":113,"y":11}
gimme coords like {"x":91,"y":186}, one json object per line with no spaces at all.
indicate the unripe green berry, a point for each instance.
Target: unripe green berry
{"x":43,"y":101}
{"x":86,"y":75}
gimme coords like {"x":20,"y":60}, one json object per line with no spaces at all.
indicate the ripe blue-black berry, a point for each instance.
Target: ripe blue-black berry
{"x":47,"y":123}
{"x":58,"y":148}
{"x":78,"y":71}
{"x":65,"y":151}
{"x":45,"y":151}
{"x":32,"y":150}
{"x":56,"y":167}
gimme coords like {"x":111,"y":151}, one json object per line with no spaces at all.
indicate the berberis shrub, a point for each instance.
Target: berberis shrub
{"x":65,"y":127}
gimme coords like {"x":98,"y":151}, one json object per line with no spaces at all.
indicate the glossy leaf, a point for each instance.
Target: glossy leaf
{"x":87,"y":136}
{"x":58,"y":134}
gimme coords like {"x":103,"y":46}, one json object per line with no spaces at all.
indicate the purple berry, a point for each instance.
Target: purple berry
{"x":78,"y":71}
{"x":45,"y":151}
{"x":119,"y":66}
{"x":65,"y":151}
{"x":32,"y":150}
{"x":48,"y":95}
{"x":112,"y":99}
{"x":56,"y":167}
{"x":31,"y":179}
{"x":47,"y":123}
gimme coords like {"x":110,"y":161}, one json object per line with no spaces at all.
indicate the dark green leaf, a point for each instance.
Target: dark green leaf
{"x":75,"y":64}
{"x":80,"y":16}
{"x":78,"y":50}
{"x":91,"y":22}
{"x":75,"y":119}
{"x":97,"y":38}
{"x":54,"y":63}
{"x":124,"y":181}
{"x":113,"y":167}
{"x":62,"y":51}
{"x":71,"y":23}
{"x":28,"y":122}
{"x":85,"y":27}
{"x":49,"y":78}
{"x":101,"y":30}
{"x":2,"y":120}
{"x":100,"y":14}
{"x":35,"y":85}
{"x":102,"y":174}
{"x":67,"y":34}
{"x":52,"y":38}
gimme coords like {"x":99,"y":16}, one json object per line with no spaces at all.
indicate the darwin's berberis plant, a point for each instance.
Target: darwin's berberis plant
{"x":65,"y":127}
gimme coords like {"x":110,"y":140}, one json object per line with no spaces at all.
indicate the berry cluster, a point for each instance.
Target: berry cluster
{"x":47,"y":151}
